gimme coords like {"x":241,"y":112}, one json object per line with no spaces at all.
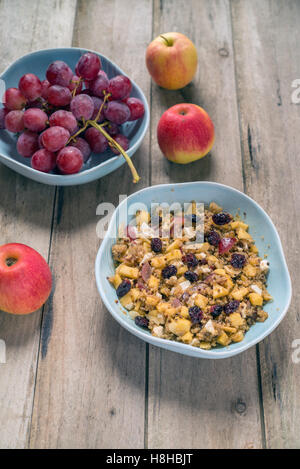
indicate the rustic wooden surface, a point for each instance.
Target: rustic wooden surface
{"x":74,"y":377}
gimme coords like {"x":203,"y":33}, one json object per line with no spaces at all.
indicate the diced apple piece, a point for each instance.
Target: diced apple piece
{"x":175,"y":254}
{"x":238,"y":337}
{"x":256,"y":299}
{"x":240,"y":293}
{"x":187,"y":338}
{"x":219,"y":291}
{"x":126,"y":271}
{"x":142,"y":217}
{"x":175,"y":245}
{"x":179,"y":326}
{"x":239,"y":224}
{"x":250,"y":270}
{"x":201,"y":301}
{"x":236,"y":320}
{"x":223,"y":339}
{"x":153,"y":282}
{"x":242,"y":234}
{"x":158,"y":262}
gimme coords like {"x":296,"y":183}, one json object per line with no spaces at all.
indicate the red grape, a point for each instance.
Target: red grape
{"x":13,"y":99}
{"x":35,"y":119}
{"x":88,"y":66}
{"x":97,"y":104}
{"x":136,"y":108}
{"x":59,"y":73}
{"x":100,"y":84}
{"x":117,"y":112}
{"x":43,"y":160}
{"x":45,"y":88}
{"x":82,"y":107}
{"x":69,"y":160}
{"x":96,"y":139}
{"x":75,"y":83}
{"x":55,"y":138}
{"x":14,"y":121}
{"x":112,"y":129}
{"x":122,"y":141}
{"x":27,"y":143}
{"x":64,"y":119}
{"x":59,"y":96}
{"x":31,"y":87}
{"x":84,"y":147}
{"x":119,"y":87}
{"x":3,"y":114}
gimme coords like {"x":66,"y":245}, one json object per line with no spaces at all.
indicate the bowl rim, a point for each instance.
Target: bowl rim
{"x":130,"y":151}
{"x":186,"y":349}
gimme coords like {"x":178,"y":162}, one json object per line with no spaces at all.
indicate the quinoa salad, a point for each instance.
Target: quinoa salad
{"x":205,"y":294}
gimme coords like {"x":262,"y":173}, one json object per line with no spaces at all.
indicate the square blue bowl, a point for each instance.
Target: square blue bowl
{"x":262,"y":230}
{"x":98,"y":165}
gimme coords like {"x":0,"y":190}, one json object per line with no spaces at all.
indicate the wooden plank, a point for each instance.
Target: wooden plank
{"x":266,"y":41}
{"x":202,"y":403}
{"x":25,"y":215}
{"x":91,"y":382}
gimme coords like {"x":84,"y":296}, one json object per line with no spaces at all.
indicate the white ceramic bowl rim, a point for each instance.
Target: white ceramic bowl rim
{"x":187,"y":349}
{"x":110,"y":160}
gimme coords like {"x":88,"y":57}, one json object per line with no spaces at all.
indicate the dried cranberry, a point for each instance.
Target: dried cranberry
{"x":156,"y":244}
{"x":221,"y":218}
{"x":226,"y":244}
{"x":169,"y":271}
{"x":195,"y":314}
{"x":216,"y":310}
{"x":231,"y":306}
{"x":191,"y":276}
{"x":141,"y":321}
{"x":238,"y":261}
{"x":191,"y":260}
{"x":123,"y":288}
{"x":213,"y":238}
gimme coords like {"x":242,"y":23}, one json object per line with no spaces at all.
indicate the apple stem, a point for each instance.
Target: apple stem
{"x":113,"y":143}
{"x":166,"y":40}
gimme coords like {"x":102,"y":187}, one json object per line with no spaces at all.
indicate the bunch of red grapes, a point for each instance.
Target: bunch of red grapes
{"x":51,"y":114}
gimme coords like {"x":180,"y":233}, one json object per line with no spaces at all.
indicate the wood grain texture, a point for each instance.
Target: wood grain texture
{"x":202,"y":403}
{"x":26,"y":211}
{"x":266,"y":41}
{"x":91,"y":380}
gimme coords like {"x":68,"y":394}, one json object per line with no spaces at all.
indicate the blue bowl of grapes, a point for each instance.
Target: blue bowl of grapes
{"x":69,"y":116}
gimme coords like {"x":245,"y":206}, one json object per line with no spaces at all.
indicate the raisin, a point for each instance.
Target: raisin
{"x":221,"y":218}
{"x":195,"y":314}
{"x":123,"y":288}
{"x":191,"y":276}
{"x":156,"y":245}
{"x":191,"y":260}
{"x":169,"y":271}
{"x":216,"y":310}
{"x":231,"y":306}
{"x":213,"y":238}
{"x":141,"y":321}
{"x":238,"y":261}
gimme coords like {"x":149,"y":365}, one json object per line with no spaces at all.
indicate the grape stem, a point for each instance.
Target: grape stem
{"x":113,"y":143}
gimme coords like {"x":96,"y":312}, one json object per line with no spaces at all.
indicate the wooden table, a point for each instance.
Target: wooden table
{"x":74,"y":377}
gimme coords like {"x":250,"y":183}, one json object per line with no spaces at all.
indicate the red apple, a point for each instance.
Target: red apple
{"x":171,"y":59}
{"x":185,"y":133}
{"x":25,"y":279}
